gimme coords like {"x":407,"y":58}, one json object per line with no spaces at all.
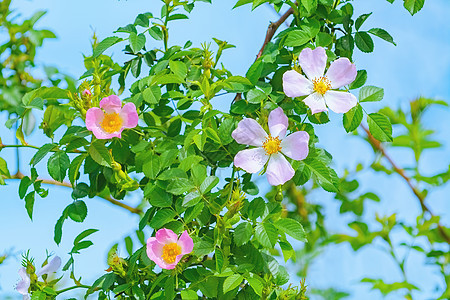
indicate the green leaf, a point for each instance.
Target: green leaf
{"x":364,"y":42}
{"x":360,"y":20}
{"x":242,"y":2}
{"x":371,"y":94}
{"x":137,"y":42}
{"x":266,"y":234}
{"x":242,"y":233}
{"x":100,"y":153}
{"x":179,"y":186}
{"x":309,"y":5}
{"x":193,"y":212}
{"x":380,"y":127}
{"x":152,"y":167}
{"x":256,"y":282}
{"x":41,"y":153}
{"x":57,"y":165}
{"x":162,"y":217}
{"x":178,"y":68}
{"x":232,"y":282}
{"x":58,"y":227}
{"x":209,"y":183}
{"x":77,"y":211}
{"x":296,"y":37}
{"x":413,"y":6}
{"x":291,"y":227}
{"x":29,"y":204}
{"x":352,"y":118}
{"x":192,"y":198}
{"x":83,"y":235}
{"x":152,"y":94}
{"x":142,"y":20}
{"x":360,"y":80}
{"x":202,"y":247}
{"x":323,"y":174}
{"x":323,"y":39}
{"x":189,"y":295}
{"x":74,"y":168}
{"x":256,"y":96}
{"x":382,"y":34}
{"x":105,"y":44}
{"x":25,"y":182}
{"x":159,"y":197}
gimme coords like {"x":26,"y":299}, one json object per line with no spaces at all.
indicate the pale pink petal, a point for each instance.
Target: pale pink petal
{"x":313,"y":62}
{"x":103,"y":135}
{"x":154,"y":252}
{"x":278,"y":123}
{"x":316,"y":103}
{"x":51,"y":267}
{"x":249,"y":132}
{"x":23,"y":285}
{"x":296,"y":85}
{"x":186,"y":243}
{"x":251,"y":160}
{"x":279,"y":170}
{"x":295,"y":145}
{"x":111,"y":104}
{"x":129,"y":115}
{"x":340,"y":102}
{"x":94,"y":116}
{"x":166,"y":236}
{"x":341,"y":72}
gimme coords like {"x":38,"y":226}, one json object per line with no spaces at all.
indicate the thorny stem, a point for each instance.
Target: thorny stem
{"x":67,"y":184}
{"x":421,"y":197}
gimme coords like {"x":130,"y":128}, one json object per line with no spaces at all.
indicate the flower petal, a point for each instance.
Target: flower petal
{"x":279,"y":170}
{"x":278,"y":123}
{"x":296,"y":85}
{"x":155,"y":251}
{"x":316,"y":103}
{"x":103,"y":135}
{"x":166,"y":236}
{"x":51,"y":267}
{"x":313,"y":62}
{"x":94,"y":116}
{"x":111,"y":104}
{"x":251,"y":160}
{"x":249,"y":132}
{"x":341,"y":72}
{"x":23,"y":285}
{"x":186,"y":243}
{"x":129,"y":115}
{"x":295,"y":145}
{"x":340,"y":102}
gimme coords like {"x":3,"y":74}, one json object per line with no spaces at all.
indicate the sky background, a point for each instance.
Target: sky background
{"x":419,"y":65}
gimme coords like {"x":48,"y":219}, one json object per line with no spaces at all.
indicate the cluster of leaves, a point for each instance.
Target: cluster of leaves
{"x":173,"y":157}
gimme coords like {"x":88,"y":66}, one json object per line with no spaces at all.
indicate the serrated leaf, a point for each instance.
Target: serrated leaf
{"x":57,"y":165}
{"x":41,"y":153}
{"x":232,"y":282}
{"x":77,"y":211}
{"x":323,"y":173}
{"x":291,"y":227}
{"x":266,"y":234}
{"x":152,"y":94}
{"x":74,"y":168}
{"x":380,"y":127}
{"x":105,"y":44}
{"x":83,"y":235}
{"x":137,"y":42}
{"x":100,"y":153}
{"x":29,"y":204}
{"x":413,"y":6}
{"x":360,"y":20}
{"x":364,"y":42}
{"x":209,"y":183}
{"x":371,"y":94}
{"x":360,"y":80}
{"x":242,"y":233}
{"x":180,"y":186}
{"x":352,"y":119}
{"x":162,"y":217}
{"x":382,"y":34}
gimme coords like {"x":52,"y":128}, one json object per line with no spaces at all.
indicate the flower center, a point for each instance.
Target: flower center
{"x":170,"y":252}
{"x":272,"y":145}
{"x":322,"y":85}
{"x":111,"y":122}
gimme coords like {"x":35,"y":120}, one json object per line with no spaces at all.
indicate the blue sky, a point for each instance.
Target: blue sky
{"x":419,"y":65}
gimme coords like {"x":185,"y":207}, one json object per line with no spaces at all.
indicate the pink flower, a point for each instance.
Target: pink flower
{"x":86,"y":92}
{"x":113,"y":119}
{"x":270,"y":147}
{"x":319,"y":88}
{"x":166,"y":249}
{"x":23,"y":286}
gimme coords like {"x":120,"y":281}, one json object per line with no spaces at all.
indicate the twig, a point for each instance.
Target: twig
{"x":131,"y":209}
{"x":421,"y":197}
{"x":272,"y":29}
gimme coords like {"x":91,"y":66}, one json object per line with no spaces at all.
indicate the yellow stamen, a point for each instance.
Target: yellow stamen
{"x":111,"y":122}
{"x":272,"y":145}
{"x":170,"y":252}
{"x":322,"y":85}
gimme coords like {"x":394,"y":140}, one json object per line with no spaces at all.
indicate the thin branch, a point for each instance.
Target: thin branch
{"x":67,"y":184}
{"x":421,"y":197}
{"x":272,"y":29}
